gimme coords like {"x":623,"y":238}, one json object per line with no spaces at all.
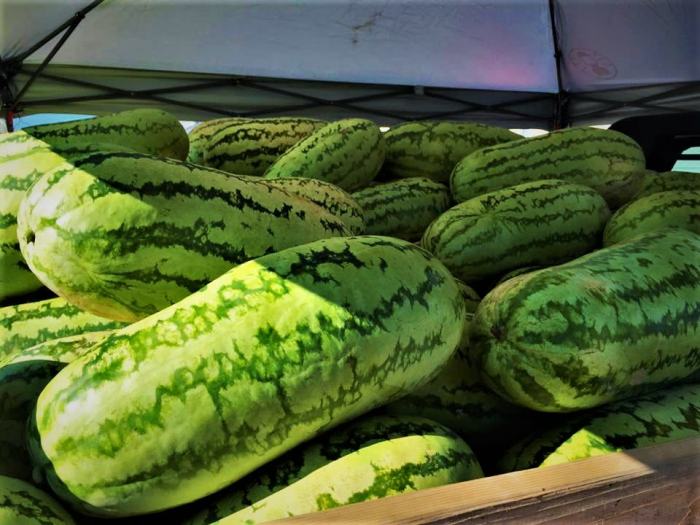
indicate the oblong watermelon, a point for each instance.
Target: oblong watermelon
{"x":606,"y":160}
{"x":145,"y":130}
{"x":250,"y":146}
{"x":403,"y":208}
{"x":367,"y":459}
{"x":123,"y":235}
{"x":348,"y":153}
{"x":654,"y":182}
{"x":536,"y":223}
{"x":605,"y":326}
{"x":433,"y":148}
{"x":666,"y":209}
{"x":267,"y":356}
{"x":201,"y":134}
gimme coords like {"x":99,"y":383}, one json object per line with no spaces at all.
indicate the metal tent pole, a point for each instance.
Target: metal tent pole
{"x":561,"y":115}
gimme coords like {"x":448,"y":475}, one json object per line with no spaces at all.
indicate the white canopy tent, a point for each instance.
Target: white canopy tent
{"x":520,"y":63}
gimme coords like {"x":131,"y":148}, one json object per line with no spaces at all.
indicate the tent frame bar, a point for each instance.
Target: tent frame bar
{"x":642,"y":103}
{"x":111,"y":92}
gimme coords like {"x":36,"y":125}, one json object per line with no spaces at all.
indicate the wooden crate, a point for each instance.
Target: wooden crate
{"x":654,"y":485}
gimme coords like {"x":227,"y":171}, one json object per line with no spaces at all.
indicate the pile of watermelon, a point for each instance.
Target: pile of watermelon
{"x":277,"y":316}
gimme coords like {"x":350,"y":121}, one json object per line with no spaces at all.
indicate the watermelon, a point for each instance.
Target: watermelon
{"x":651,"y":419}
{"x":367,"y":459}
{"x":23,"y":160}
{"x":680,"y":209}
{"x":278,"y":350}
{"x":123,"y":235}
{"x":23,"y":375}
{"x":654,"y":182}
{"x":347,"y":153}
{"x":536,"y":223}
{"x":250,"y":146}
{"x":332,"y":198}
{"x":26,"y":325}
{"x":403,"y":208}
{"x":201,"y":134}
{"x":24,"y":504}
{"x":606,"y":160}
{"x":150,"y":131}
{"x":606,"y":326}
{"x":432,"y":148}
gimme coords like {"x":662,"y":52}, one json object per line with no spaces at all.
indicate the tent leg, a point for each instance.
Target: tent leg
{"x":10,"y":120}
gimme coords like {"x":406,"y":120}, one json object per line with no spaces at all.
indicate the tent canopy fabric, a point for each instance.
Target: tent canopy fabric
{"x":522,"y":63}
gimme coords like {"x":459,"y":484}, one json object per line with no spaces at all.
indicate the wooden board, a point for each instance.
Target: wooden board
{"x":659,"y":485}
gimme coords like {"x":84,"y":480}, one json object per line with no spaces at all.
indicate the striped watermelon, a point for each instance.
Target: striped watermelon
{"x":370,"y":458}
{"x":332,"y":198}
{"x":432,"y":148}
{"x":654,"y":182}
{"x":23,"y":160}
{"x":680,"y":209}
{"x":278,"y":349}
{"x":535,"y":223}
{"x":403,"y":208}
{"x":24,"y":504}
{"x":654,"y":418}
{"x":23,"y":375}
{"x":150,"y":131}
{"x":603,"y":327}
{"x":125,"y":235}
{"x":250,"y":146}
{"x":347,"y":153}
{"x":26,"y":325}
{"x":201,"y":134}
{"x":606,"y":160}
